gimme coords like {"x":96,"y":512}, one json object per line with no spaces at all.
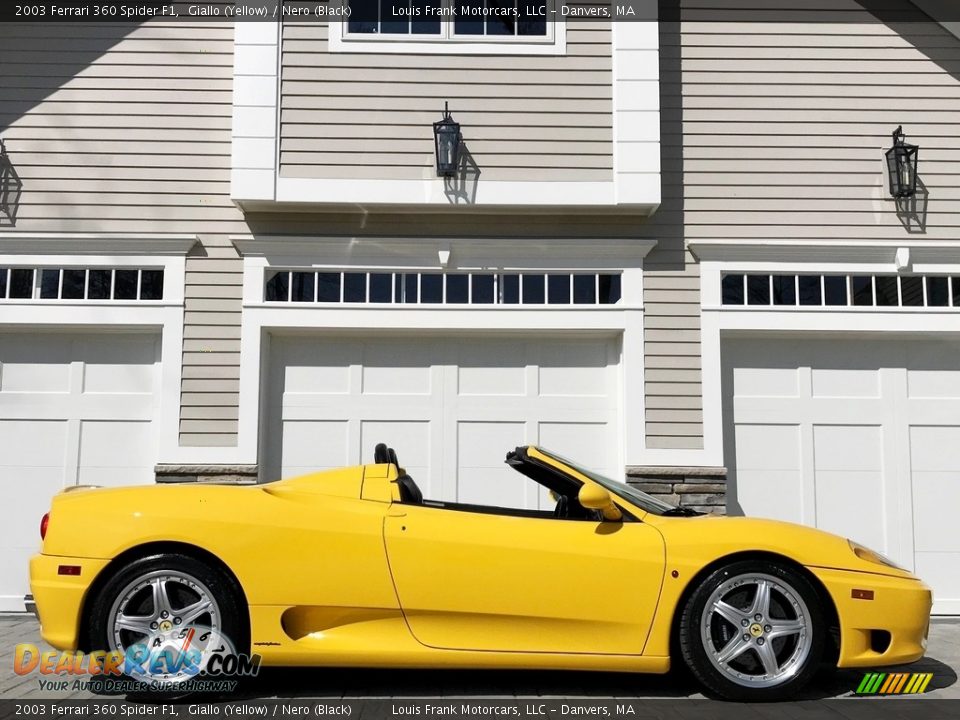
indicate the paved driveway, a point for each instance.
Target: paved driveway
{"x":943,"y":660}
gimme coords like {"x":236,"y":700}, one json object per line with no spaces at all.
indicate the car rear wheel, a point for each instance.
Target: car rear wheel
{"x":753,"y":630}
{"x":175,"y":598}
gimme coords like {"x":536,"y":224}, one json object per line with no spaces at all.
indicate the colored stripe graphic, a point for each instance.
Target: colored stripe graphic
{"x":862,"y":688}
{"x":913,"y":684}
{"x":903,"y":681}
{"x":887,"y":684}
{"x":893,"y":684}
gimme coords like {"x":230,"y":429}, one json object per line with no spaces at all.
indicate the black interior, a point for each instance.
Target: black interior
{"x":568,"y":507}
{"x":409,"y":492}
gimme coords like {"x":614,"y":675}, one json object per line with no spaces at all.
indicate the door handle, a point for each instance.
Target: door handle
{"x":396,"y":513}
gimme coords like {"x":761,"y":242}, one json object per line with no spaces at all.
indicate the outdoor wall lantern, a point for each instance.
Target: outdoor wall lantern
{"x":902,"y":166}
{"x":447,"y":138}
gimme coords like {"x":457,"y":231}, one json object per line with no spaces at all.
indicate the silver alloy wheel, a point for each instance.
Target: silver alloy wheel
{"x":756,"y":630}
{"x":160,"y":602}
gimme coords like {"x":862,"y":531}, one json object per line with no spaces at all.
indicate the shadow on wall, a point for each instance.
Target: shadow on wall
{"x":37,"y":61}
{"x":667,"y":224}
{"x":912,"y":211}
{"x":462,"y":188}
{"x":11,"y":187}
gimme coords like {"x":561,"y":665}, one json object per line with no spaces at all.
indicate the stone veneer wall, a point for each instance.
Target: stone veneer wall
{"x":703,"y":489}
{"x":224,"y":474}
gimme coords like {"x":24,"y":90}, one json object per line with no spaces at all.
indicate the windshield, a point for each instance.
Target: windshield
{"x":621,"y":490}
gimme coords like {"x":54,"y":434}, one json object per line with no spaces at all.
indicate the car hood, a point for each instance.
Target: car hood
{"x":689,"y":538}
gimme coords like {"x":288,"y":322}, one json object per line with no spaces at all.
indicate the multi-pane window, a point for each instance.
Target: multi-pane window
{"x":932,"y":291}
{"x":428,"y":288}
{"x":448,"y":19}
{"x":66,"y":283}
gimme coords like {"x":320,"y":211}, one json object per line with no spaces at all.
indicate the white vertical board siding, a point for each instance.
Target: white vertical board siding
{"x":775,"y":125}
{"x":121,"y":128}
{"x":366,"y":115}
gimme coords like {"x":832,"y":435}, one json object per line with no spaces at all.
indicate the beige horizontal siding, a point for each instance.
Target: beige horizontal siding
{"x":119,"y":129}
{"x":370,"y":115}
{"x":774,"y":125}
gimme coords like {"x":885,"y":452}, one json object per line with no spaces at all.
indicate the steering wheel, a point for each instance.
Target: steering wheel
{"x":562,"y":508}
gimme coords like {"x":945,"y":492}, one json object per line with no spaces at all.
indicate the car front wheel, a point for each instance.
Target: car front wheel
{"x":753,"y":630}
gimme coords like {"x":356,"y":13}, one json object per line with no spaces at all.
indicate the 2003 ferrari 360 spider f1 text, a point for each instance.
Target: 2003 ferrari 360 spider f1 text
{"x":353,"y":567}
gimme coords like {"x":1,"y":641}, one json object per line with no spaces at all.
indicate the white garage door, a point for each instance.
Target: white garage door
{"x":451,"y":407}
{"x":860,"y":437}
{"x":74,"y":409}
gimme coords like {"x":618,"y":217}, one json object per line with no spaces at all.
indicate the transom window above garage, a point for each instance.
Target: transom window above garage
{"x":450,"y":20}
{"x":527,"y":288}
{"x":72,"y":283}
{"x":828,"y":290}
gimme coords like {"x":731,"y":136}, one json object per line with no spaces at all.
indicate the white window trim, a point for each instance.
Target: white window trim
{"x":339,"y":40}
{"x":796,"y":257}
{"x":163,"y":316}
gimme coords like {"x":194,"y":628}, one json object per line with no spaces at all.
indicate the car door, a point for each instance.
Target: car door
{"x":482,"y":581}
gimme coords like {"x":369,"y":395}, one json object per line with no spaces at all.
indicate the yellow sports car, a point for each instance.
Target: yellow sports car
{"x":353,"y":567}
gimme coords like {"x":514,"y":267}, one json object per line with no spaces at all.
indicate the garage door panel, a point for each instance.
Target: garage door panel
{"x":311,"y":445}
{"x":32,"y":443}
{"x":134,"y":407}
{"x":935,"y":449}
{"x":851,"y":504}
{"x":112,"y":452}
{"x":845,"y":383}
{"x":306,"y":406}
{"x":396,"y":381}
{"x":118,"y":364}
{"x":935,"y":503}
{"x":591,"y":444}
{"x":848,"y":447}
{"x":126,"y":378}
{"x":318,"y":380}
{"x":767,"y":447}
{"x":25,"y":377}
{"x":575,"y":370}
{"x":491,"y":381}
{"x":940,"y":567}
{"x":774,"y":494}
{"x":936,"y":384}
{"x":484,"y":478}
{"x":766,"y":382}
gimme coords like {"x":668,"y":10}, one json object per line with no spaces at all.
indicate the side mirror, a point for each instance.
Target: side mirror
{"x":594,"y":497}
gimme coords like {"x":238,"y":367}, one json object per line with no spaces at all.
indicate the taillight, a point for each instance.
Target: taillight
{"x":44,"y":522}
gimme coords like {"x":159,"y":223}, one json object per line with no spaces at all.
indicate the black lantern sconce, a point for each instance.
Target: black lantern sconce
{"x":902,"y":166}
{"x":446,"y":139}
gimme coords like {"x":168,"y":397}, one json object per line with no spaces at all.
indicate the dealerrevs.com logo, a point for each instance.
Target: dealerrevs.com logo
{"x":182,"y":659}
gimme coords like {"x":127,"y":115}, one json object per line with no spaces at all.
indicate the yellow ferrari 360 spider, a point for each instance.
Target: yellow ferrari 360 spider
{"x":353,"y":567}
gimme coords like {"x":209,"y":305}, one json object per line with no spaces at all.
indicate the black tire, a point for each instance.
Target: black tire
{"x":710,"y":631}
{"x":231,"y":615}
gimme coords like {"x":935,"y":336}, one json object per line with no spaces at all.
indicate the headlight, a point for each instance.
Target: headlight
{"x":872,"y":556}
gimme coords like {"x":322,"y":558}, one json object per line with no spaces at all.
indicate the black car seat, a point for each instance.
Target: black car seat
{"x":409,"y":492}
